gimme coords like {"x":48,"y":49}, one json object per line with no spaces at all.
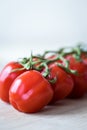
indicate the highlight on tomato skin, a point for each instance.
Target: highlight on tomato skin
{"x":7,"y":77}
{"x":30,"y":92}
{"x":63,"y":85}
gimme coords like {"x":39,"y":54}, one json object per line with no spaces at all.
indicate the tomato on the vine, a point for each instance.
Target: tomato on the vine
{"x":80,"y":80}
{"x":63,"y":84}
{"x":7,"y":77}
{"x":30,"y":92}
{"x":34,"y":82}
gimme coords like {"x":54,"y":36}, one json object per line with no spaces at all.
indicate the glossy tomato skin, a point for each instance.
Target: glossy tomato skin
{"x":30,"y":92}
{"x":7,"y":77}
{"x":63,"y":85}
{"x":80,"y":80}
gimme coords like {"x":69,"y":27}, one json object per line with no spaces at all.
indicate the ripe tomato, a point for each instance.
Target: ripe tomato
{"x":7,"y":77}
{"x":30,"y":92}
{"x":84,"y":57}
{"x":80,"y":80}
{"x":64,"y":84}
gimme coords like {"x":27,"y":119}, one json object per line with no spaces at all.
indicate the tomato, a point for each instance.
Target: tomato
{"x":80,"y":80}
{"x":52,"y":57}
{"x":84,"y":57}
{"x":7,"y":77}
{"x":30,"y":92}
{"x":63,"y":85}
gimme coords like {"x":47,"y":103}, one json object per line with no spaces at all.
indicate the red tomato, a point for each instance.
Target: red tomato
{"x":30,"y":92}
{"x":7,"y":77}
{"x":84,"y":57}
{"x":64,"y":84}
{"x":80,"y":80}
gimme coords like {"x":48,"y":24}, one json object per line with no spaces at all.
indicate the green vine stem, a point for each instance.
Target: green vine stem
{"x":41,"y":63}
{"x":75,"y":51}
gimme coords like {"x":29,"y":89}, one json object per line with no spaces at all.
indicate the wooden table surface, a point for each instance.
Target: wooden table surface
{"x":65,"y":115}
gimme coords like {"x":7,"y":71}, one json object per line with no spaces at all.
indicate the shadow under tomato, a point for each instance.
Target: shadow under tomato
{"x":67,"y":106}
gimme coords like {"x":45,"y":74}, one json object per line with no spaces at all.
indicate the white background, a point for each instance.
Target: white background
{"x":38,"y":25}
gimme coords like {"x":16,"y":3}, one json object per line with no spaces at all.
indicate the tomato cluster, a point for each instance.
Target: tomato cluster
{"x":32,"y":83}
